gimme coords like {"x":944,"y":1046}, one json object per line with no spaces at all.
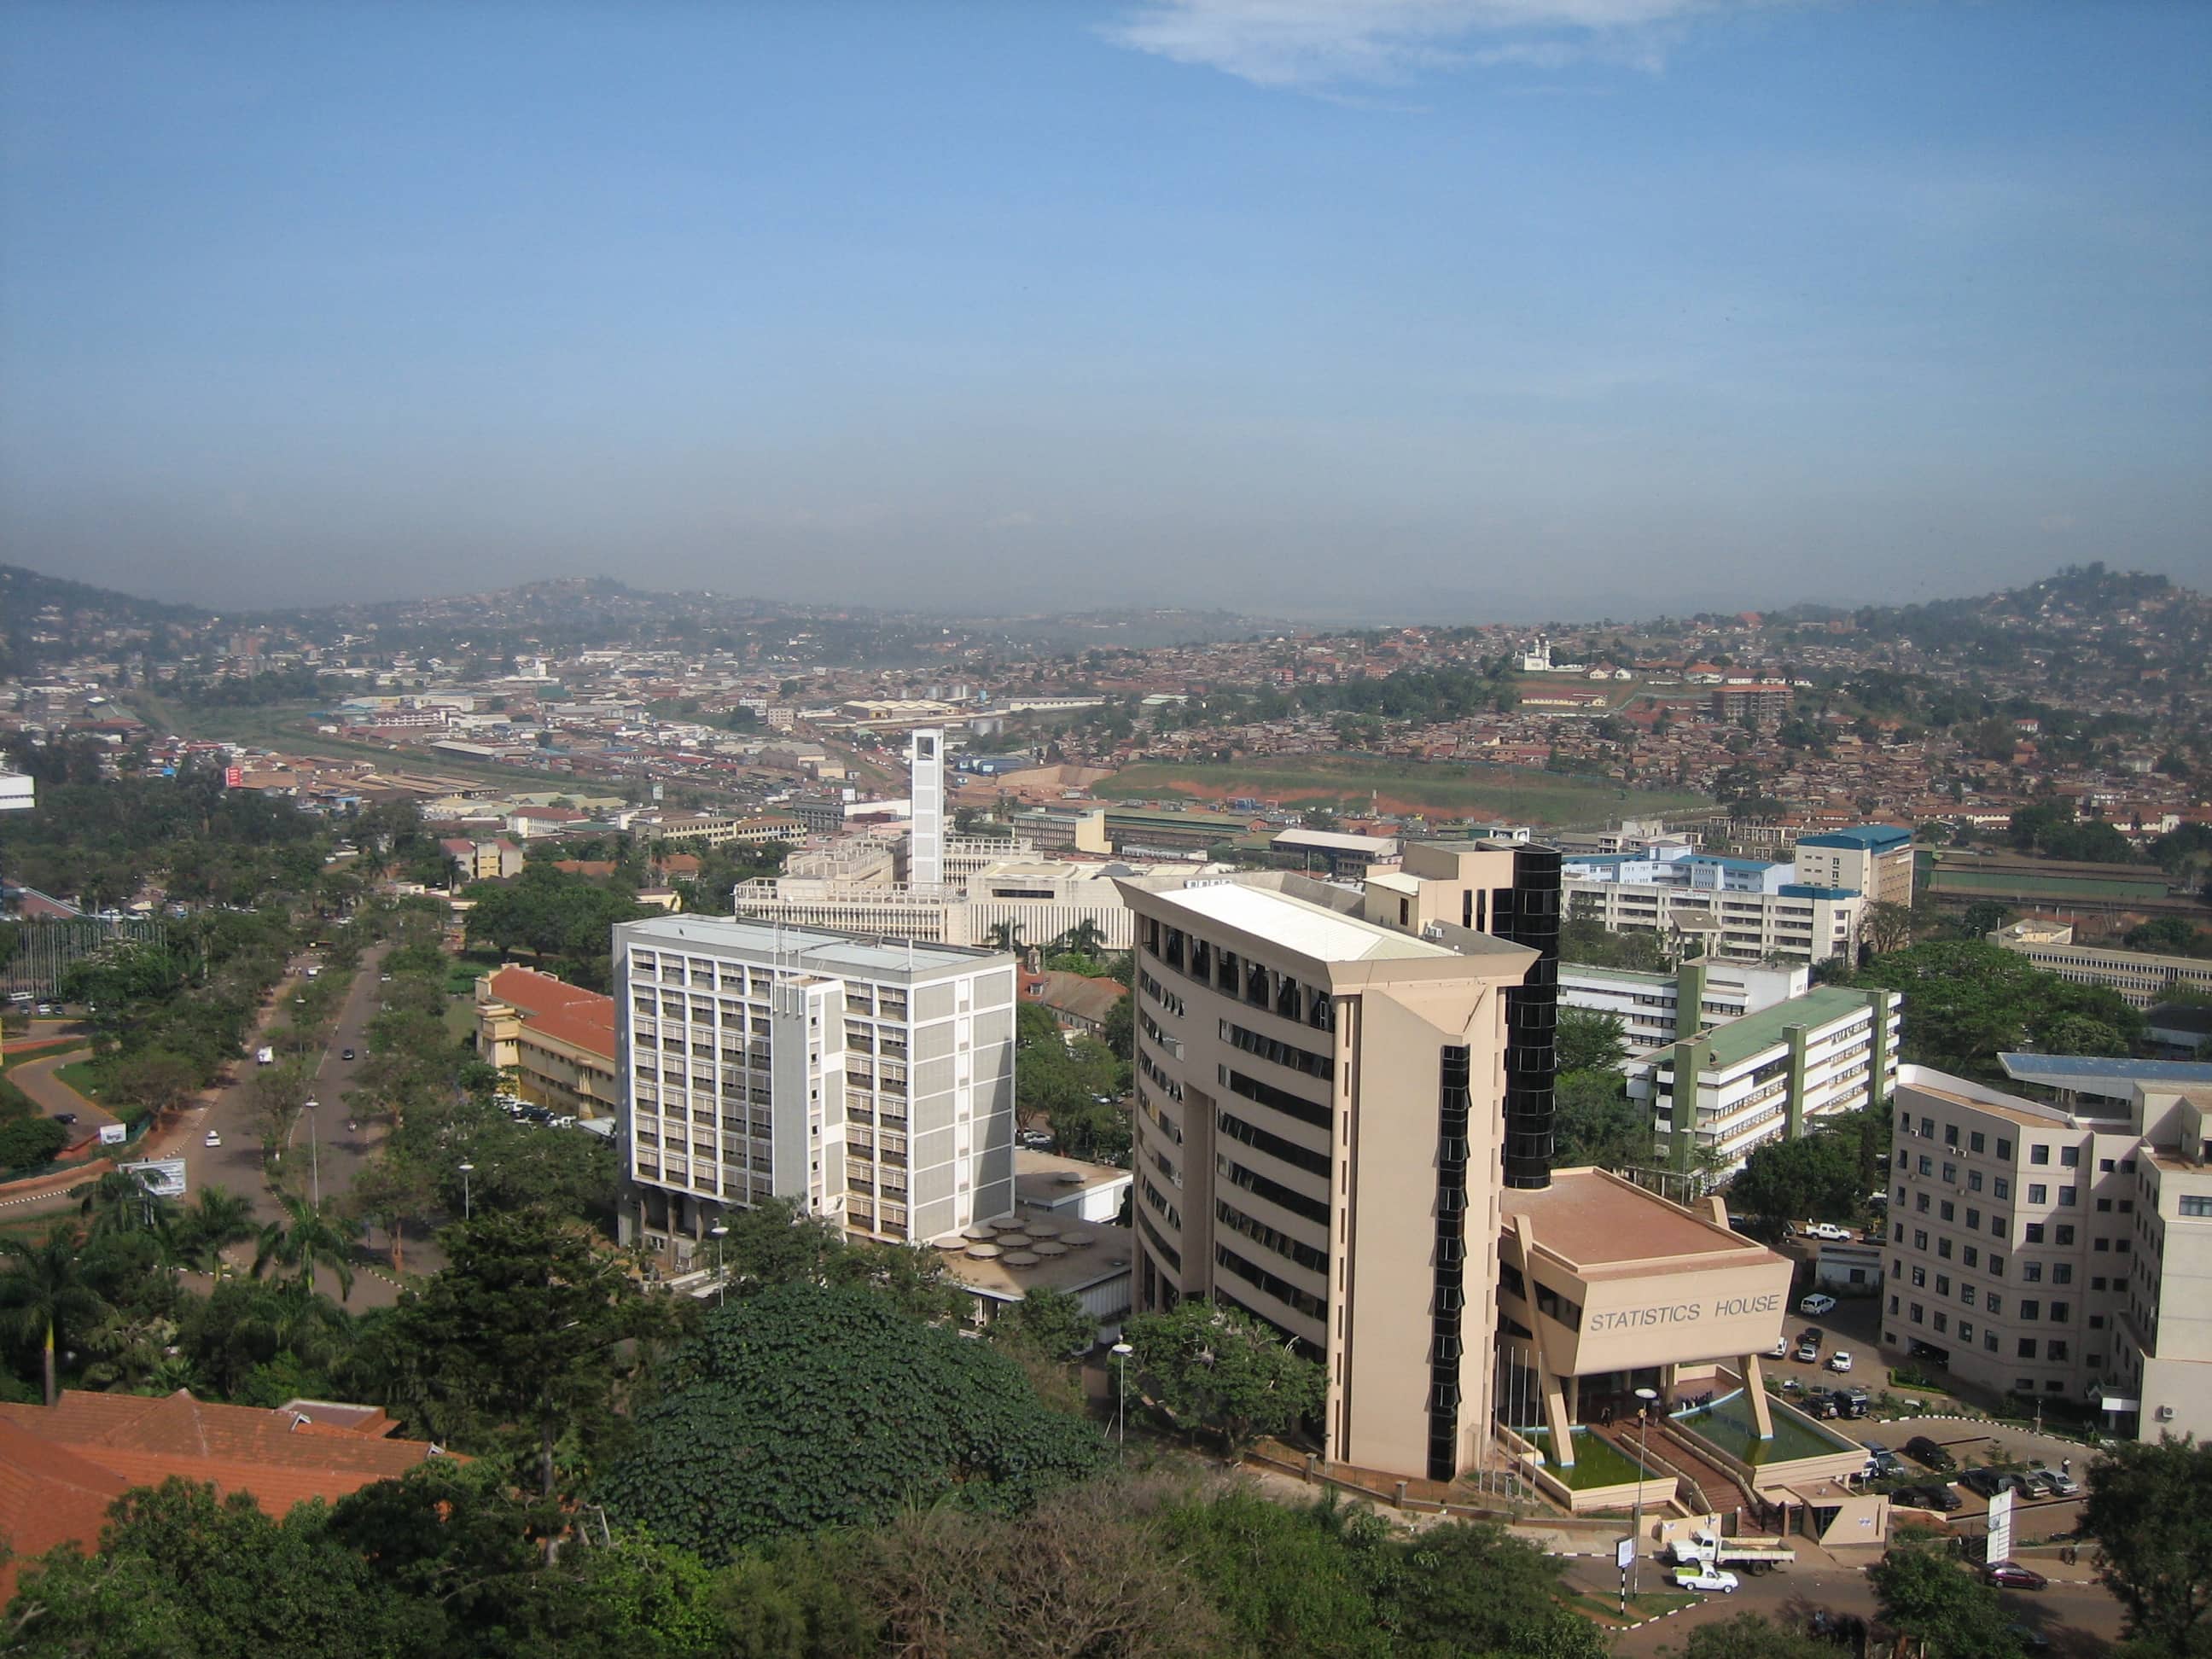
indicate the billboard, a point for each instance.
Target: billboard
{"x":233,"y":777}
{"x":2000,"y":1527}
{"x":164,"y":1177}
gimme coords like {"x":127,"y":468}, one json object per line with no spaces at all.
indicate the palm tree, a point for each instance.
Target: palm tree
{"x":1085,"y":938}
{"x":119,"y":1202}
{"x":1005,"y":936}
{"x":216,"y":1218}
{"x":306,"y":1237}
{"x":43,"y":1292}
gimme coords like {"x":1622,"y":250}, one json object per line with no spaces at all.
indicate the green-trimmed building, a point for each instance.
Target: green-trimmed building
{"x":1769,"y":1075}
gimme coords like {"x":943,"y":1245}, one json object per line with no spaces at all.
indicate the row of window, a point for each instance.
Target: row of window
{"x":1305,"y":1256}
{"x":1302,"y":1157}
{"x":1282,"y":1289}
{"x":1281,"y":1100}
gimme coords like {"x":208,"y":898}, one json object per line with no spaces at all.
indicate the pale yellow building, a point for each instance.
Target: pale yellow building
{"x":556,"y":1041}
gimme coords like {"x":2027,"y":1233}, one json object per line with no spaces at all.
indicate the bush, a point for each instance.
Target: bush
{"x":28,"y":1142}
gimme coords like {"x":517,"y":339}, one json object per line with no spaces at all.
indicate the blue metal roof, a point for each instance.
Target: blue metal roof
{"x":2049,"y":1068}
{"x":1879,"y":837}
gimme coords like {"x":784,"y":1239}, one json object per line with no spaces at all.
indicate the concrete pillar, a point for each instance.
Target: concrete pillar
{"x":1755,"y":1382}
{"x":1793,"y":1102}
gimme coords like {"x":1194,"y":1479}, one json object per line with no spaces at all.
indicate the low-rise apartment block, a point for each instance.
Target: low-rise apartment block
{"x":2052,"y":1251}
{"x":1795,"y":921}
{"x":557,"y":1041}
{"x":2141,"y":976}
{"x":1872,"y":858}
{"x":869,"y":1082}
{"x":1768,"y":1076}
{"x":1649,"y":1006}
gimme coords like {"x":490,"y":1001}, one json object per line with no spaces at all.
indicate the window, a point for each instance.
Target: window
{"x":2060,"y":1312}
{"x":2103,"y":1205}
{"x":1973,"y":1217}
{"x":2038,"y":1193}
{"x":2067,"y":1196}
{"x":2069,"y":1157}
{"x":2062,"y":1272}
{"x":2196,"y":1207}
{"x":2031,"y":1308}
{"x":1997,"y":1265}
{"x":2004,"y":1151}
{"x":2030,"y":1272}
{"x":1928,"y":1128}
{"x":2054,"y":1350}
{"x":2032,"y":1233}
{"x":1944,"y":1249}
{"x":1950,"y":1134}
{"x":1975,"y":1142}
{"x":1920,"y":1239}
{"x":1996,"y":1226}
{"x":1950,"y":1174}
{"x":1919,"y":1277}
{"x":1989,"y":1341}
{"x":1970,"y":1256}
{"x":2063,"y":1234}
{"x":2103,"y":1245}
{"x":2127,"y":1166}
{"x":1966,"y":1294}
{"x":1966,"y":1330}
{"x":1948,"y":1210}
{"x":1927,"y":1164}
{"x":2027,"y":1348}
{"x":1897,"y":1232}
{"x":2039,"y":1153}
{"x":2121,"y":1246}
{"x":2103,"y":1166}
{"x":1942,"y":1284}
{"x":1995,"y":1304}
{"x":1920,"y":1202}
{"x":2127,"y":1206}
{"x":2098,"y":1283}
{"x":1973,"y":1181}
{"x":2002,"y":1188}
{"x":1916,"y":1313}
{"x":1942,"y":1322}
{"x":1892,"y":1303}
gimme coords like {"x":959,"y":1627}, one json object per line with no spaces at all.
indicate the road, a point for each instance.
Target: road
{"x":54,"y":1097}
{"x":2078,"y":1619}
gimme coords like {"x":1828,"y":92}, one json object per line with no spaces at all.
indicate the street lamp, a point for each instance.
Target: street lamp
{"x":467,"y":1169}
{"x":1121,"y":1352}
{"x":1645,"y":1399}
{"x":718,"y":1232}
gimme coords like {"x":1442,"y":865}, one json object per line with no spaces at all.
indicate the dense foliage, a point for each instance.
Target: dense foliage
{"x":1967,"y":1002}
{"x":2149,"y":1509}
{"x":806,"y":1408}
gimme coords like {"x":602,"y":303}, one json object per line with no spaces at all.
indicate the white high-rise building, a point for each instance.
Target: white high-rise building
{"x":869,"y":1083}
{"x":926,"y":864}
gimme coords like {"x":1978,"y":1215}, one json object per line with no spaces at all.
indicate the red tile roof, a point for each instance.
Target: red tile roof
{"x":557,"y":1010}
{"x":60,"y":1469}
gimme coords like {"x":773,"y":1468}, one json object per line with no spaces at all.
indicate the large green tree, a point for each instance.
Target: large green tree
{"x":2149,"y":1509}
{"x":1967,"y":1002}
{"x":1940,"y":1607}
{"x":1214,"y":1366}
{"x":45,"y":1296}
{"x":806,"y":1406}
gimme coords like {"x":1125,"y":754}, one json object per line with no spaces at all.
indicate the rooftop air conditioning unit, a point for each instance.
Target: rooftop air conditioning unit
{"x":2165,"y":1413}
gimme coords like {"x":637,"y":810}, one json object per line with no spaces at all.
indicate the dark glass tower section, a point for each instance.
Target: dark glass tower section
{"x":1447,"y":1295}
{"x":1528,"y":914}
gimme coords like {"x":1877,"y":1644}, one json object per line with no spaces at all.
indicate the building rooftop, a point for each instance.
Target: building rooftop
{"x":1307,"y":929}
{"x":1622,"y":975}
{"x":554,"y":1009}
{"x":1044,"y":1179}
{"x":1867,"y":837}
{"x":1738,"y":1040}
{"x":1111,"y":1249}
{"x":2097,"y":1075}
{"x":809,"y":948}
{"x":1595,"y":1221}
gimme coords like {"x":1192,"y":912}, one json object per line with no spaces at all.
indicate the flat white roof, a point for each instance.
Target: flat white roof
{"x":1307,"y":929}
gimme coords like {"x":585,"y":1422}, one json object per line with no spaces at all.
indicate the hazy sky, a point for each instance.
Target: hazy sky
{"x":1439,"y":307}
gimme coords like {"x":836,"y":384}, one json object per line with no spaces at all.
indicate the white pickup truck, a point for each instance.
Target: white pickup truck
{"x":265,"y":1056}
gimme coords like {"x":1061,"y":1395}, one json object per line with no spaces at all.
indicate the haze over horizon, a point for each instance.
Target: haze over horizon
{"x":1502,"y":308}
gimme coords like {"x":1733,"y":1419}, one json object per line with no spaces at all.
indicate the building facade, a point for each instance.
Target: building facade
{"x":869,"y":1083}
{"x":1649,"y":1006}
{"x":2141,"y":976}
{"x":555,"y":1040}
{"x":1322,"y":1137}
{"x":1795,"y":922}
{"x":1768,"y":1076}
{"x":1872,"y":858}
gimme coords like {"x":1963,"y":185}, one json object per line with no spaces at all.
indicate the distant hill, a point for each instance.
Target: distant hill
{"x":49,"y":618}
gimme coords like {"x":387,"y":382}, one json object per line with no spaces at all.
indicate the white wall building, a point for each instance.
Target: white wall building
{"x":872,"y":1084}
{"x":1801,"y":923}
{"x":1649,"y":1006}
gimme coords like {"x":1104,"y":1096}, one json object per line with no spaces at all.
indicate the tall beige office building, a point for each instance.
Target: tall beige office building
{"x":1328,"y":1110}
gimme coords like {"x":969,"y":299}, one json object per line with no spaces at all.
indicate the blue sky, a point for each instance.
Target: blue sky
{"x":1447,"y":308}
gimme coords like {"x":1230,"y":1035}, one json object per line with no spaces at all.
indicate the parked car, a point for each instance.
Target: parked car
{"x":1828,"y":1231}
{"x":1706,"y":1578}
{"x":1882,"y":1461}
{"x":1941,"y":1499}
{"x":65,"y":1118}
{"x":1037,"y":1141}
{"x":1990,"y":1482}
{"x":1814,"y":1334}
{"x":212,"y":1139}
{"x":1820,"y":1403}
{"x":1926,"y":1453}
{"x":1840,"y":1360}
{"x":2007,"y":1576}
{"x":2052,"y":1483}
{"x":1848,"y":1404}
{"x":1781,"y":1348}
{"x":1817,"y":1304}
{"x":1808,"y":1353}
{"x":345,"y":1053}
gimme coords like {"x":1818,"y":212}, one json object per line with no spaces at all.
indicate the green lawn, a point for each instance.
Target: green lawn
{"x":1648,"y":1604}
{"x":78,"y":1074}
{"x":1598,"y":1462}
{"x":1441,"y":790}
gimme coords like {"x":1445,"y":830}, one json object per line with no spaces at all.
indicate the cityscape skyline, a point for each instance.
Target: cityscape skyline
{"x":1528,"y":310}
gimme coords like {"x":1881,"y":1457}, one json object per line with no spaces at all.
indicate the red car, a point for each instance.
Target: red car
{"x":2005,"y":1574}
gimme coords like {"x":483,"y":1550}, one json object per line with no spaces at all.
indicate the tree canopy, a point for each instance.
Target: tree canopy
{"x":1967,"y":1002}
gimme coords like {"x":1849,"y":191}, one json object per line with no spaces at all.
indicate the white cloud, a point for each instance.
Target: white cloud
{"x":1311,"y":45}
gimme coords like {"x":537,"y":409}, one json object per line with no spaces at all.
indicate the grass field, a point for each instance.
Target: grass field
{"x":291,"y":728}
{"x":1349,"y":782}
{"x":78,"y":1075}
